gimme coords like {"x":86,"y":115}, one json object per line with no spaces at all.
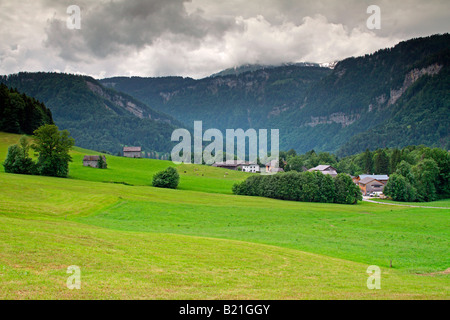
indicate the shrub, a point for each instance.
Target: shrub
{"x":101,"y":163}
{"x":18,"y":161}
{"x":168,"y":178}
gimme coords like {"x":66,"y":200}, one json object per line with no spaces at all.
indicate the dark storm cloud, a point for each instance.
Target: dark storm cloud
{"x":113,"y":27}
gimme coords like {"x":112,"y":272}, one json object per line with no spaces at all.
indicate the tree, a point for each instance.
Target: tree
{"x":294,"y":163}
{"x":326,"y":192}
{"x":442,"y":159}
{"x":396,"y":158}
{"x":368,"y":161}
{"x":101,"y":163}
{"x":53,"y":147}
{"x":17,"y":160}
{"x":381,"y":162}
{"x":399,"y":188}
{"x":426,"y":174}
{"x":405,"y":169}
{"x":347,"y":192}
{"x":168,"y":178}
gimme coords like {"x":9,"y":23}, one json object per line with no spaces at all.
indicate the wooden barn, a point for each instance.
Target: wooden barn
{"x":132,"y":152}
{"x":92,"y":161}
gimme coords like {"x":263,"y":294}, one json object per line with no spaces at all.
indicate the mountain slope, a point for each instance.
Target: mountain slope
{"x":363,"y":102}
{"x":363,"y":94}
{"x":246,"y":100}
{"x":97,"y":117}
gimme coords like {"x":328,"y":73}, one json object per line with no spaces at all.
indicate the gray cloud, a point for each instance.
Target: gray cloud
{"x":112,"y":27}
{"x":199,"y":37}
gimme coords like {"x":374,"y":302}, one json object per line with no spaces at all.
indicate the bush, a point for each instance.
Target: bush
{"x":168,"y":178}
{"x":101,"y":163}
{"x":18,"y":161}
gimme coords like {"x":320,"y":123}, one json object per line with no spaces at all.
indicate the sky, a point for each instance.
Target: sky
{"x":197,"y":38}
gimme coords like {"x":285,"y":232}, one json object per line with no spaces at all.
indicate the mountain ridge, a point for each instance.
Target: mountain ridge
{"x":316,"y":108}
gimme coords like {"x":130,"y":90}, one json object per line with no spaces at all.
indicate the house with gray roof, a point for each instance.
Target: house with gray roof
{"x":325,"y":169}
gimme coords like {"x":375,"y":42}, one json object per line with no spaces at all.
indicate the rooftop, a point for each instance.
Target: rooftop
{"x":92,"y":158}
{"x":374,"y":176}
{"x":233,"y":163}
{"x":322,"y":167}
{"x":366,"y":180}
{"x":132,"y":149}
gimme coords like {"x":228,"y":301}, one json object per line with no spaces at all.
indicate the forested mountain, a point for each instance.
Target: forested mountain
{"x":20,"y":113}
{"x":391,"y":98}
{"x":98,"y":118}
{"x":248,"y":100}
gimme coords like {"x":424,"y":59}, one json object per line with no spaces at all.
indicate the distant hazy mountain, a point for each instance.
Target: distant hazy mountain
{"x":394,"y":97}
{"x":98,"y":118}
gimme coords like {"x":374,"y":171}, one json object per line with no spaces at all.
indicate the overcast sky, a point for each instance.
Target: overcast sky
{"x":200,"y":37}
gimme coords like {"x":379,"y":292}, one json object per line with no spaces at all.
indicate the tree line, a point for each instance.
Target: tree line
{"x":428,"y":180}
{"x":20,"y":113}
{"x":417,"y":173}
{"x":301,"y":186}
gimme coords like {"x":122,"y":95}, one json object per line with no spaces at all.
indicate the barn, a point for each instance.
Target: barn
{"x":92,"y":161}
{"x":132,"y":152}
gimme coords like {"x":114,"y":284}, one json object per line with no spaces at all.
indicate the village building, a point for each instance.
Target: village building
{"x":272,"y":167}
{"x":325,"y":169}
{"x":369,"y":185}
{"x":251,"y":167}
{"x":380,"y":177}
{"x":92,"y":161}
{"x":132,"y":152}
{"x":236,"y":164}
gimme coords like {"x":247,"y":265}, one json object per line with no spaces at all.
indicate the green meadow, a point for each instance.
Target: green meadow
{"x":133,"y":241}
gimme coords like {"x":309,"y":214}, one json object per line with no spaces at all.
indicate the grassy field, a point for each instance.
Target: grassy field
{"x":139,"y":172}
{"x":136,"y":241}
